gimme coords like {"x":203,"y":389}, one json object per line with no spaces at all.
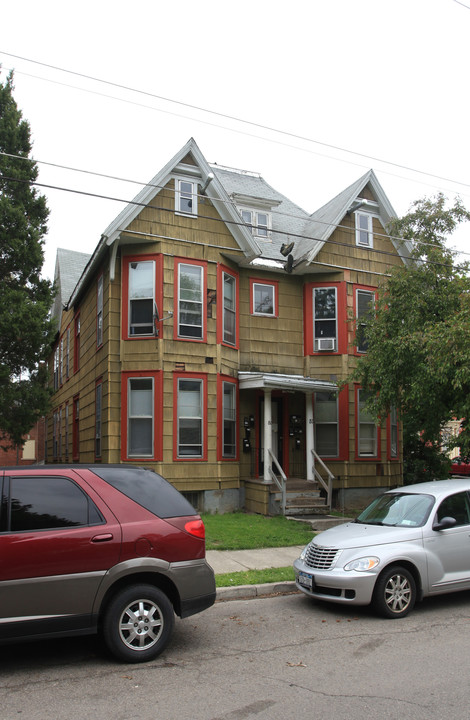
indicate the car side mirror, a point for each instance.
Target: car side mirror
{"x":446,"y":522}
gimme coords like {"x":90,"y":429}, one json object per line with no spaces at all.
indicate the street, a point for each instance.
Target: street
{"x":272,"y":658}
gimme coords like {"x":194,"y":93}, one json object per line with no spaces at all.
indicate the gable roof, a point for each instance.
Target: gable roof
{"x":324,"y":221}
{"x":229,"y":189}
{"x":69,"y":266}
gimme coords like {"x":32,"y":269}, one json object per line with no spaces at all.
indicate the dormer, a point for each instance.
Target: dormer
{"x":256,"y":212}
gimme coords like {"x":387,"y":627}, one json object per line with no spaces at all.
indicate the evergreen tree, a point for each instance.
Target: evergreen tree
{"x":418,"y":338}
{"x":25,"y":298}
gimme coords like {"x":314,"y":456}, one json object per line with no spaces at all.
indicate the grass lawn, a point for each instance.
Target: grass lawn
{"x":255,"y":577}
{"x":243,"y":531}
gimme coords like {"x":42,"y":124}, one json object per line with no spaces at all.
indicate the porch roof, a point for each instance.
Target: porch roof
{"x":277,"y":381}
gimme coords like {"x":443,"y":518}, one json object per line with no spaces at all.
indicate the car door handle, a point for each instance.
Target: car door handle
{"x":102,"y":538}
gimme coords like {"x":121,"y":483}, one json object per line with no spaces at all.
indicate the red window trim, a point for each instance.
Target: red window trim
{"x":221,"y":379}
{"x":356,"y":287}
{"x":201,"y":263}
{"x":363,"y":458}
{"x":126,"y":260}
{"x":221,"y":269}
{"x":341,"y":318}
{"x":263,"y":281}
{"x":157,"y":376}
{"x":343,"y":426}
{"x":186,"y":376}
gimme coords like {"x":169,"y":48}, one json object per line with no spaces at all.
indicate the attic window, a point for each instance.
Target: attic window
{"x":364,"y":236}
{"x":185,"y":196}
{"x":258,"y":222}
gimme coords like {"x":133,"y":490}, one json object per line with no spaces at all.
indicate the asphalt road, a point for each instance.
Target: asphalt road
{"x":272,"y":658}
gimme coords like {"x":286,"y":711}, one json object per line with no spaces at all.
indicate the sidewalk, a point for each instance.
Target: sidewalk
{"x":226,"y":561}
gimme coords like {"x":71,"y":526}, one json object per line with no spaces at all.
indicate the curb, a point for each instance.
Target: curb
{"x":255,"y":591}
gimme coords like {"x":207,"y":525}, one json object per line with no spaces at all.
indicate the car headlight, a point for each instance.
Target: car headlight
{"x":304,"y":552}
{"x":362,"y":564}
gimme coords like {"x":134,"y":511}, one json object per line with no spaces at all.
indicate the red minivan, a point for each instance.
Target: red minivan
{"x":112,"y":549}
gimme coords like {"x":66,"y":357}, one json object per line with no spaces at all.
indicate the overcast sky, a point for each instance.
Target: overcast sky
{"x":310,"y":93}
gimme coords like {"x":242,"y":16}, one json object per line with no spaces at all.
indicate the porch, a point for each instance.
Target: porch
{"x":281,"y":471}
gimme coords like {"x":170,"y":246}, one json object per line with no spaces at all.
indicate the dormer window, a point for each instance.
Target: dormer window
{"x":259,"y":222}
{"x":364,"y":237}
{"x":185,"y":196}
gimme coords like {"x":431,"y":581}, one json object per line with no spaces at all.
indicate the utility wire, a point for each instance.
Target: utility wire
{"x":235,"y":119}
{"x":208,"y":217}
{"x":302,"y":218}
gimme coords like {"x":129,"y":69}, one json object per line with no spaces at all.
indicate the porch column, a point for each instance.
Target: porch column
{"x":309,"y":434}
{"x":267,"y":435}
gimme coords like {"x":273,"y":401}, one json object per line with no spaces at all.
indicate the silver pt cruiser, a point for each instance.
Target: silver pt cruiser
{"x":409,"y":543}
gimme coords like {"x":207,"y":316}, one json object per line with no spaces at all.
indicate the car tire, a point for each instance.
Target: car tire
{"x":138,"y":623}
{"x":395,"y":592}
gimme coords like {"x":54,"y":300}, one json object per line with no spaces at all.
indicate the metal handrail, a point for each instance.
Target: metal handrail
{"x":281,"y":483}
{"x":327,"y":487}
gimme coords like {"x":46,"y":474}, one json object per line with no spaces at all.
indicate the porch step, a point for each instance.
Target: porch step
{"x":303,"y":497}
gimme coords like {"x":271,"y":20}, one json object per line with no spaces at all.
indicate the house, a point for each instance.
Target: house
{"x":32,"y":451}
{"x":206,"y":335}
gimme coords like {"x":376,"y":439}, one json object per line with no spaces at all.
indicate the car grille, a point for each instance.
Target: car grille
{"x":321,"y":558}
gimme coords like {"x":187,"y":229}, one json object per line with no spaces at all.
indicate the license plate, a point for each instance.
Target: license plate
{"x":306,"y":580}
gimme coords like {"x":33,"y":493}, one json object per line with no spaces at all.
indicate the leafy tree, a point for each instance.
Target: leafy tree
{"x":418,"y":336}
{"x":25,"y":297}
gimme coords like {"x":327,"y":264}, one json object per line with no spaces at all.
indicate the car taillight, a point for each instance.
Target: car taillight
{"x":196,"y":528}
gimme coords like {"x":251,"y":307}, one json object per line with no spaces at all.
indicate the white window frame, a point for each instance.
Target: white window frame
{"x":325,"y":346}
{"x":131,"y":299}
{"x":184,"y":195}
{"x":252,"y":219}
{"x":371,"y":293}
{"x":199,"y":303}
{"x":197,"y":419}
{"x":130,"y":452}
{"x":364,"y":236}
{"x":265,"y":286}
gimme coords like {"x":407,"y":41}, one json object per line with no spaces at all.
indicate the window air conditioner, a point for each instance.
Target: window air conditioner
{"x":326,"y":343}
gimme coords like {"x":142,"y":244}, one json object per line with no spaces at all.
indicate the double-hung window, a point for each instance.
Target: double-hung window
{"x":141,"y":294}
{"x":185,"y":196}
{"x":230,"y":309}
{"x":190,"y":292}
{"x":367,"y":431}
{"x":258,"y":222}
{"x":140,"y":417}
{"x":326,"y":424}
{"x":229,"y":419}
{"x":364,"y":306}
{"x":325,"y":319}
{"x":190,"y":412}
{"x":364,"y":236}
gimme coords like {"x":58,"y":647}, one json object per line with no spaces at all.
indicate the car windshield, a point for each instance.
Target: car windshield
{"x":398,"y":510}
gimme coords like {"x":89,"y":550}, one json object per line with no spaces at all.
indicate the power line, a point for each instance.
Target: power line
{"x":207,"y":217}
{"x":302,"y":218}
{"x":234,"y":119}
